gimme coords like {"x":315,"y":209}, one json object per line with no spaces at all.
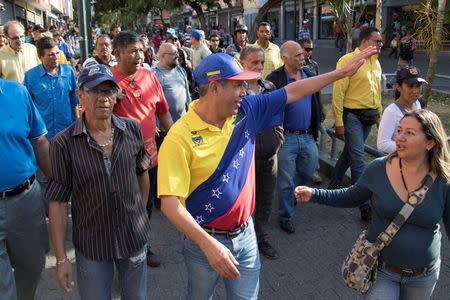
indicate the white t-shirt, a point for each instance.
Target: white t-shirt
{"x":387,"y":131}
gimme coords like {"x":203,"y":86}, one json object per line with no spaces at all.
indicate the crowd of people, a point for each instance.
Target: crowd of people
{"x":212,"y":132}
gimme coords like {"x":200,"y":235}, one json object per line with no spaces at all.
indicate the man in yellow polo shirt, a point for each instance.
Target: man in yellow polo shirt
{"x":271,"y":51}
{"x":356,"y":107}
{"x":206,"y":173}
{"x":17,"y":57}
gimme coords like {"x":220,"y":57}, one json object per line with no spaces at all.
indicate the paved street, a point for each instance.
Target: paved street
{"x":308,"y":267}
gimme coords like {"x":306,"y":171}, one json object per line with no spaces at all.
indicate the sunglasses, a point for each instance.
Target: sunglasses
{"x":214,"y":40}
{"x":309,"y":49}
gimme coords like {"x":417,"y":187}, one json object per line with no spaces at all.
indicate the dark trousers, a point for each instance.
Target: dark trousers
{"x":151,"y":195}
{"x":266,"y":183}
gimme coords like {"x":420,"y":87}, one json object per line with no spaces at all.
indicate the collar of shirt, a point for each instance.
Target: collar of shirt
{"x":80,"y":125}
{"x":269,"y":47}
{"x":292,"y":79}
{"x":372,"y":58}
{"x":61,"y":72}
{"x":196,"y":123}
{"x":11,"y":50}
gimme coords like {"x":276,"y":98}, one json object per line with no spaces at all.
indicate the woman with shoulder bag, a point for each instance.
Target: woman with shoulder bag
{"x":407,"y":93}
{"x":408,"y":268}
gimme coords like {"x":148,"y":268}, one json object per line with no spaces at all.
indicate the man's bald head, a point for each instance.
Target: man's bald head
{"x":168,"y":55}
{"x":292,"y":55}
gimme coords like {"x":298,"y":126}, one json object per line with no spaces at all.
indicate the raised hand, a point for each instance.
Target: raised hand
{"x":356,"y":62}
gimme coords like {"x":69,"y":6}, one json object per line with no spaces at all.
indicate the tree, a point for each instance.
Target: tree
{"x":199,"y":6}
{"x":260,"y":17}
{"x":344,"y":11}
{"x":429,"y":24}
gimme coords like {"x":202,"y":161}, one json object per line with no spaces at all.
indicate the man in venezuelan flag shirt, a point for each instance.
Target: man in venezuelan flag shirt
{"x":206,"y":175}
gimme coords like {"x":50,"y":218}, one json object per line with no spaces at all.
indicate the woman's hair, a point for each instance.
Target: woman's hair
{"x":439,"y":155}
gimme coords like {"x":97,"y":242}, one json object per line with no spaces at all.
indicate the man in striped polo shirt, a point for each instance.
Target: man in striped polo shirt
{"x":100,"y":164}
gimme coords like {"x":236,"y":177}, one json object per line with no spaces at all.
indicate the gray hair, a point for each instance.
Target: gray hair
{"x":124,"y":38}
{"x":284,"y":49}
{"x":11,"y":23}
{"x":245,"y":52}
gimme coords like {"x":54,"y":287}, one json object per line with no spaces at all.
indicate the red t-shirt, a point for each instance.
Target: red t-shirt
{"x":144,"y":99}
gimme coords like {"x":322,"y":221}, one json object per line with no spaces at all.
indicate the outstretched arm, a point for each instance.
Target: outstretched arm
{"x":302,"y":88}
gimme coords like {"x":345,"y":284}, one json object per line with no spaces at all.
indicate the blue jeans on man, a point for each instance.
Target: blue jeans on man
{"x":352,"y":155}
{"x":94,"y":278}
{"x":23,"y":243}
{"x":297,"y":162}
{"x":202,"y":278}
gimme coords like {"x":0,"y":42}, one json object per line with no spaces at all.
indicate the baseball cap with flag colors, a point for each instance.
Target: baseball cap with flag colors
{"x":221,"y":66}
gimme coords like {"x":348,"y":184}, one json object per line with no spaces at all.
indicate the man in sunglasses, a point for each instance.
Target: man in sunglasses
{"x":17,"y":57}
{"x":100,"y":164}
{"x":214,"y":44}
{"x":143,"y":100}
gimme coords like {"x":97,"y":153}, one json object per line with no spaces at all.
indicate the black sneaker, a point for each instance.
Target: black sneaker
{"x":267,"y":250}
{"x":287,"y":226}
{"x":366,"y":214}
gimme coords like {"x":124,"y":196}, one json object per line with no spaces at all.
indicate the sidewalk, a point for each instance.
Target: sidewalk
{"x":308,"y":267}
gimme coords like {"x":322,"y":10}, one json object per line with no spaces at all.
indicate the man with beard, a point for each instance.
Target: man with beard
{"x":173,"y":80}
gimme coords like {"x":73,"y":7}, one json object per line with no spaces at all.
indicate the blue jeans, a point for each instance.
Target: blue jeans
{"x":353,"y":154}
{"x":95,"y":277}
{"x":23,"y":243}
{"x":202,"y":278}
{"x":297,"y":162}
{"x":392,"y":286}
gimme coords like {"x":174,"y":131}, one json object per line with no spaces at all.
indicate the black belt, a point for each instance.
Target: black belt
{"x":19,"y":189}
{"x":228,"y":233}
{"x":298,"y":132}
{"x":402,"y":272}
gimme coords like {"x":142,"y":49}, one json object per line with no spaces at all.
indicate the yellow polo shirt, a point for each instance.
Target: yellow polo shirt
{"x":190,"y":153}
{"x":272,"y":59}
{"x":13,"y":65}
{"x":362,"y":90}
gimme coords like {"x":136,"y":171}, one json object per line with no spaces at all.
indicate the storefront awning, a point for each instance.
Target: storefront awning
{"x":52,"y":15}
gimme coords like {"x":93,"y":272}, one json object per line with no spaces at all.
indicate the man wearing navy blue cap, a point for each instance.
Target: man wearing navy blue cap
{"x":206,"y":175}
{"x":199,"y":48}
{"x":100,"y":164}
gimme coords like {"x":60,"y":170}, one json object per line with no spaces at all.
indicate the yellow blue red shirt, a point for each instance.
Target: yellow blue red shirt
{"x":210,"y":169}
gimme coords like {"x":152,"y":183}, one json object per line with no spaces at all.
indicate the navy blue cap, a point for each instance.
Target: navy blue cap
{"x":196,"y":34}
{"x":92,"y":76}
{"x":221,"y":66}
{"x":409,"y":75}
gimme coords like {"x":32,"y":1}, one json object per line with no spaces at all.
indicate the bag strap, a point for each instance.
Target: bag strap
{"x":402,"y":109}
{"x":416,"y":198}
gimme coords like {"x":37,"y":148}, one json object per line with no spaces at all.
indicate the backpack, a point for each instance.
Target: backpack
{"x":406,"y":52}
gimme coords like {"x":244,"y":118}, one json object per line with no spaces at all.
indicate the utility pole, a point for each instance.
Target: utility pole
{"x":84,"y":20}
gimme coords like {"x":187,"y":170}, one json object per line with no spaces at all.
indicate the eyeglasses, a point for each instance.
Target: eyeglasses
{"x":309,"y":49}
{"x":16,"y":38}
{"x":214,"y":40}
{"x":170,"y":53}
{"x":136,"y":92}
{"x":377,"y":41}
{"x":99,"y":92}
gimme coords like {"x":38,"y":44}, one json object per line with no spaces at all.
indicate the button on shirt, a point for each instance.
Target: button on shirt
{"x":20,"y":122}
{"x":53,"y":95}
{"x":109,"y":216}
{"x":298,"y":114}
{"x":13,"y":65}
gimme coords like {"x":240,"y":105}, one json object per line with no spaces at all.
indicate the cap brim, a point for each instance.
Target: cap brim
{"x":93,"y":83}
{"x":246,"y":75}
{"x":414,"y":80}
